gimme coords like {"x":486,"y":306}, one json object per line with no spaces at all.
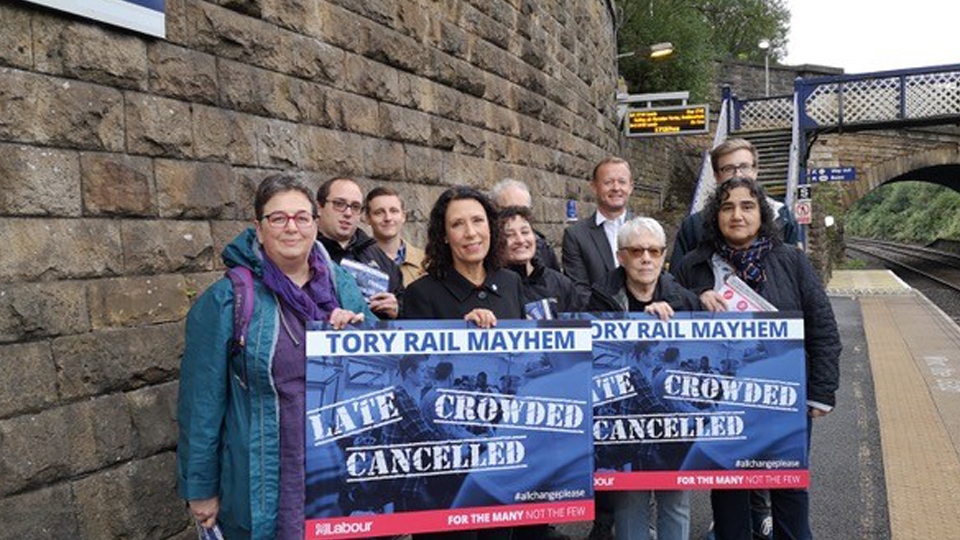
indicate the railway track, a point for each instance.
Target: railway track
{"x":934,"y":272}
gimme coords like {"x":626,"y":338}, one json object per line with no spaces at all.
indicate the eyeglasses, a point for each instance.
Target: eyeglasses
{"x":341,"y":205}
{"x":279,"y":219}
{"x":636,"y":252}
{"x":741,"y":168}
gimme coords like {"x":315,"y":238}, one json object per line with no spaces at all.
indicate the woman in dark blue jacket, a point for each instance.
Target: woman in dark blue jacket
{"x":740,"y":240}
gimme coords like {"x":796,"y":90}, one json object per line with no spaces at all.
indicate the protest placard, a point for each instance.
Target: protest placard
{"x":702,"y":401}
{"x":421,"y":426}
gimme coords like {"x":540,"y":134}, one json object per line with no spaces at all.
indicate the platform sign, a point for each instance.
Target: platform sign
{"x":667,"y":120}
{"x":803,"y":210}
{"x":831,"y":174}
{"x":144,"y":16}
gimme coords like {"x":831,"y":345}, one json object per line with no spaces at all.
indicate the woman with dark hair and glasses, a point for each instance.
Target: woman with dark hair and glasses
{"x":741,"y":239}
{"x":464,"y":281}
{"x":240,"y":455}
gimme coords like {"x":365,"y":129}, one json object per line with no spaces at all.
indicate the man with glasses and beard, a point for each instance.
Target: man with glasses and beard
{"x":340,"y":203}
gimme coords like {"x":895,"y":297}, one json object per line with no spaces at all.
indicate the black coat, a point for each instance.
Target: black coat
{"x":690,"y":234}
{"x":587,"y":255}
{"x":545,"y":252}
{"x":611,"y":294}
{"x":791,"y":285}
{"x":547,"y":283}
{"x":455,"y":296}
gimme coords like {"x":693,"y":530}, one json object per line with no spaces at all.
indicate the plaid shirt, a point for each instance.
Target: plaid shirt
{"x":411,"y":428}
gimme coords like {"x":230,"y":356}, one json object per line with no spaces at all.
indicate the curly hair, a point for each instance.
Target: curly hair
{"x":711,"y":212}
{"x":438,"y":259}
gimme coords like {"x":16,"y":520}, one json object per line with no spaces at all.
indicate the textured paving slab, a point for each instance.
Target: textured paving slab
{"x":866,"y":282}
{"x":915,"y":358}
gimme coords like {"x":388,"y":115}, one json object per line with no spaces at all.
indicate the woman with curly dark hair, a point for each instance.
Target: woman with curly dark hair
{"x":741,"y":241}
{"x":464,"y":278}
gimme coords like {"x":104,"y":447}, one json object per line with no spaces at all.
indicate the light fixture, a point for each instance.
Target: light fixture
{"x":657,"y":50}
{"x":765,"y":46}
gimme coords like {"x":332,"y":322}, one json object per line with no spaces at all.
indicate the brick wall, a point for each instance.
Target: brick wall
{"x":127,"y":162}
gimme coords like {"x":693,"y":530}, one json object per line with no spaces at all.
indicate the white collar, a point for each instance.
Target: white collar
{"x":601,"y":219}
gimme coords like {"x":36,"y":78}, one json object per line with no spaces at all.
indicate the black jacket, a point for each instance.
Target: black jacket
{"x":791,"y":285}
{"x":690,"y":234}
{"x":545,"y":252}
{"x":611,"y":294}
{"x":587,"y":255}
{"x":364,"y":249}
{"x":547,"y":283}
{"x":455,"y":296}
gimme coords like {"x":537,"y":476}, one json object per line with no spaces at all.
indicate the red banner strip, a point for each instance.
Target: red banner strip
{"x":689,"y":480}
{"x":449,"y":520}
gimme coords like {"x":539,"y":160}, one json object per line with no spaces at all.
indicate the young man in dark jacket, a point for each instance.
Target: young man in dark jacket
{"x":340,"y":207}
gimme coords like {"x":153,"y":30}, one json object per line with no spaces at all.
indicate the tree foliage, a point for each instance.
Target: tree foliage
{"x":915,"y":212}
{"x":701,"y":32}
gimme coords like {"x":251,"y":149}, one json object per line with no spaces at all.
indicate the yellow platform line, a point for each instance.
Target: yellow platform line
{"x":922,"y":469}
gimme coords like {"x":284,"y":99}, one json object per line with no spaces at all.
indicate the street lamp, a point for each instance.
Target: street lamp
{"x":657,"y":50}
{"x":765,"y":46}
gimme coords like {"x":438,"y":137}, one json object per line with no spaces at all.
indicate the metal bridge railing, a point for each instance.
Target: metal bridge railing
{"x":888,"y":98}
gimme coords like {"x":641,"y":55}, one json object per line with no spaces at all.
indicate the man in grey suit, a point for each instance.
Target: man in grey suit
{"x":589,"y":255}
{"x":590,"y":244}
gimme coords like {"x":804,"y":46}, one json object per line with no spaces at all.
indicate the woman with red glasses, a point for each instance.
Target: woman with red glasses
{"x":240,"y":456}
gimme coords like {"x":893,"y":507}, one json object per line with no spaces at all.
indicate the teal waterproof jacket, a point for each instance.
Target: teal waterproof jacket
{"x":227,"y":410}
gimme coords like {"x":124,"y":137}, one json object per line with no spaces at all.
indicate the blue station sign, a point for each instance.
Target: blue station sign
{"x":831,"y":174}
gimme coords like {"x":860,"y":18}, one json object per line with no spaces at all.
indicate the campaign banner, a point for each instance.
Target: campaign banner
{"x":145,"y":16}
{"x":702,"y":401}
{"x":425,"y":426}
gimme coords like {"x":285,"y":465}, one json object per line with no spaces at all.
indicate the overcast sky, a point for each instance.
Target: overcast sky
{"x":874,"y":35}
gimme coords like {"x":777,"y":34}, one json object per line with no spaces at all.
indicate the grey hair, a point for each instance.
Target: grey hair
{"x":506,"y":184}
{"x":637,"y":225}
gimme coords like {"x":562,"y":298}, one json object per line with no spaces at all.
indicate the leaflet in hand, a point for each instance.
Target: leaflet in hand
{"x":370,"y":280}
{"x":741,"y":298}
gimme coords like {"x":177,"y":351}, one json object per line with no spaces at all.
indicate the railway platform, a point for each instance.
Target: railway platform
{"x":914,"y":357}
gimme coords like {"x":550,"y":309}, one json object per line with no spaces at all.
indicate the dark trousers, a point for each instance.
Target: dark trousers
{"x":530,"y":532}
{"x":732,"y":518}
{"x":732,"y":514}
{"x":485,"y":534}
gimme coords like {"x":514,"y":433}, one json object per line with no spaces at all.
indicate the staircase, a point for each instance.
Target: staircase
{"x":773,"y":149}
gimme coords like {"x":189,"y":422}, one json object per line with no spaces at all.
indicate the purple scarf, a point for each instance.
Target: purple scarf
{"x":315,"y":300}
{"x":748,"y":263}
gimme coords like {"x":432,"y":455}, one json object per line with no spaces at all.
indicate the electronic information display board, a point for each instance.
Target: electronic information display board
{"x":667,"y":120}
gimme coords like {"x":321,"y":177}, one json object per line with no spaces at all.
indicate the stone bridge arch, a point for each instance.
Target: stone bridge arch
{"x":890,"y":156}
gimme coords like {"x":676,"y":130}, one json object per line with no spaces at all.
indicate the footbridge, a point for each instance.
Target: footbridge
{"x":890,"y":126}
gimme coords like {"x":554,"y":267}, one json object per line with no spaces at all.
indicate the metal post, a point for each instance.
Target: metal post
{"x":766,"y":73}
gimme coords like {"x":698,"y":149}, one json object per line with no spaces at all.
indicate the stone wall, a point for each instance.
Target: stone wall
{"x":127,"y":162}
{"x":747,"y":80}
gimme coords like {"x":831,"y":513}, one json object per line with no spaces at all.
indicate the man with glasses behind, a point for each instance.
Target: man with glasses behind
{"x":340,"y":208}
{"x":733,"y":157}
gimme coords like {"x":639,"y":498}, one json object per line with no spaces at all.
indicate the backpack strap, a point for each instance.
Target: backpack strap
{"x":243,"y":295}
